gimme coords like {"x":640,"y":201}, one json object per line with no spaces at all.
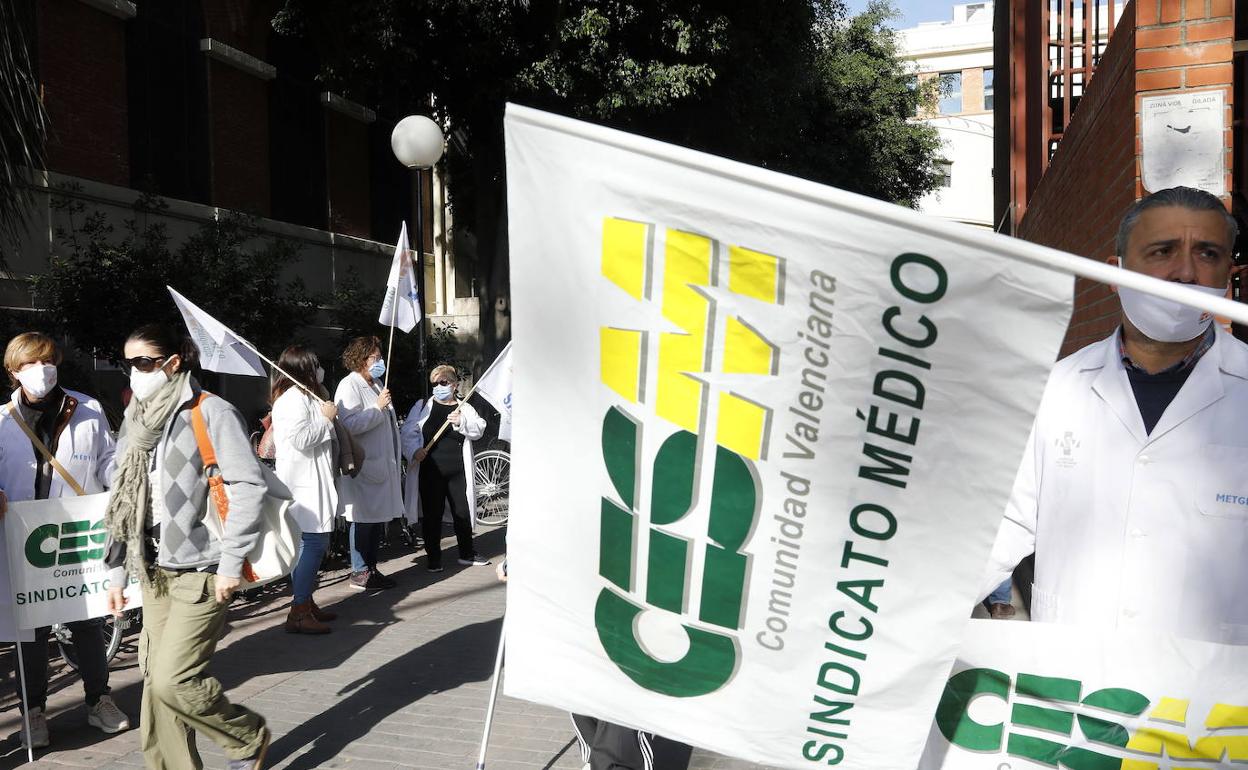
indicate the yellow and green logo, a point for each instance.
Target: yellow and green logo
{"x":1125,"y":729}
{"x":68,"y":543}
{"x":693,"y":422}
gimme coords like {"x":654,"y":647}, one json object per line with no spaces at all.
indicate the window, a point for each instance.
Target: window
{"x":987,"y":88}
{"x":912,"y":102}
{"x":944,"y":173}
{"x":950,"y":93}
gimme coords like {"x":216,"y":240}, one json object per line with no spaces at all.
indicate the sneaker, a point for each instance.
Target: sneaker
{"x":359,"y":580}
{"x":1000,"y":611}
{"x":106,"y":716}
{"x":38,"y":729}
{"x":252,"y":763}
{"x":475,"y":561}
{"x":379,"y":582}
{"x":434,"y":567}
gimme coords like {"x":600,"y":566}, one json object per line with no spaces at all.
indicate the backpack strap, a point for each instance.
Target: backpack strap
{"x":212,"y":472}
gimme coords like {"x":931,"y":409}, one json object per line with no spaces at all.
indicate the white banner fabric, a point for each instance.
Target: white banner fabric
{"x":220,"y":349}
{"x":1034,"y":696}
{"x":55,"y":549}
{"x":401,"y":306}
{"x":495,"y":386}
{"x":769,"y":431}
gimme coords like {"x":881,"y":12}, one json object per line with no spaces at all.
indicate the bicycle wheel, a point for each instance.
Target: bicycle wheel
{"x":113,"y":631}
{"x":491,"y":481}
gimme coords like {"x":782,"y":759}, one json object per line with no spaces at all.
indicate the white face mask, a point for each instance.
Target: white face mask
{"x":1165,"y":320}
{"x":145,"y":384}
{"x":38,"y":381}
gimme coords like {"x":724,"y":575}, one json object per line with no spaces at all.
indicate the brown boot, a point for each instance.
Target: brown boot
{"x":322,"y":615}
{"x":301,"y":621}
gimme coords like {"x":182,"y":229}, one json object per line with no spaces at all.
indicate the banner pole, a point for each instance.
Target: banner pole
{"x":489,"y":711}
{"x":21,"y":673}
{"x":394,"y":309}
{"x":281,"y":371}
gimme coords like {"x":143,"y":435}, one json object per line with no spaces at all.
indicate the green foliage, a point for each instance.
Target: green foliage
{"x":100,"y":287}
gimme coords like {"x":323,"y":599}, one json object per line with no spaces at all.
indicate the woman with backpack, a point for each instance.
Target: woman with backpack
{"x":155,"y":517}
{"x":306,"y":448}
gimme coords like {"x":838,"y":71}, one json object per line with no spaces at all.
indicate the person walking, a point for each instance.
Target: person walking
{"x":70,"y":427}
{"x":439,"y":473}
{"x":303,"y":437}
{"x":155,"y":518}
{"x":374,"y":497}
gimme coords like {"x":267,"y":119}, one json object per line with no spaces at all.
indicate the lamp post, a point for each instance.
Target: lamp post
{"x":418,"y":143}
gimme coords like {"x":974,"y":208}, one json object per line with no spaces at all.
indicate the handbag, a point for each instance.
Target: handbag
{"x":30,"y":434}
{"x":350,"y":452}
{"x":277,"y":548}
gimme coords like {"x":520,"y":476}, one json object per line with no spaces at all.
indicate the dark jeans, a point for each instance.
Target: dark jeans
{"x":607,"y":746}
{"x":88,"y":638}
{"x":365,"y":542}
{"x":438,"y":488}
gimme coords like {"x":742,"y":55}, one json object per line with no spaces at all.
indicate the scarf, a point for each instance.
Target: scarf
{"x":131,"y":502}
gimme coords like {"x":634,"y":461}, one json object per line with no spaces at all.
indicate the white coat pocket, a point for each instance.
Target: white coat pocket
{"x":1222,"y":487}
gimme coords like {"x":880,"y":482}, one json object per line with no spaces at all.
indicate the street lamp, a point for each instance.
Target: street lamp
{"x":418,"y":143}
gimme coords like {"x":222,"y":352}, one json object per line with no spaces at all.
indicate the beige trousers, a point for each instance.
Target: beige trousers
{"x":180,"y":632}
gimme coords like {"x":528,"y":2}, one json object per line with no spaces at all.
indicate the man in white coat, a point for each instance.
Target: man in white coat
{"x":1133,"y":490}
{"x":71,"y":427}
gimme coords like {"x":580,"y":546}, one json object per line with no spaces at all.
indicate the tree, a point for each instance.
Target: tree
{"x":99,"y":287}
{"x":23,"y":123}
{"x":793,"y":85}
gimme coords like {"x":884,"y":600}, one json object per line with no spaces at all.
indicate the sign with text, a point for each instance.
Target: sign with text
{"x":56,"y":551}
{"x":769,"y":432}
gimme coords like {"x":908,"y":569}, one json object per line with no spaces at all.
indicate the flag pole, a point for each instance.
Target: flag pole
{"x":489,"y":710}
{"x":394,"y":311}
{"x":21,"y":673}
{"x":281,"y":371}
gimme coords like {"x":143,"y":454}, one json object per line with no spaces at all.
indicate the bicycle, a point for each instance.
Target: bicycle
{"x":113,"y":630}
{"x":491,"y":481}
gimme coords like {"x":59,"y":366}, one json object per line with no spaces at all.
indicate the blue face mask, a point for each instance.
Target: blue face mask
{"x":443,"y":392}
{"x":378,"y":369}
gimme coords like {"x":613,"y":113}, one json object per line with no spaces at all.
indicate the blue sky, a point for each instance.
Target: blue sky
{"x":914,"y":11}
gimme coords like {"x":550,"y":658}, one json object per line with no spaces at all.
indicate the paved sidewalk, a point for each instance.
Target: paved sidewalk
{"x":402,"y":682}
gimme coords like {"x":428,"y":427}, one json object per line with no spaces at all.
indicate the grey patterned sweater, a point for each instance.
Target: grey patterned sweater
{"x":185,"y":542}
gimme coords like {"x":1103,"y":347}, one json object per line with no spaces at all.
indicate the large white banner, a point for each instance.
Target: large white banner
{"x":495,"y":386}
{"x":769,"y":430}
{"x":55,"y":549}
{"x":1034,"y":696}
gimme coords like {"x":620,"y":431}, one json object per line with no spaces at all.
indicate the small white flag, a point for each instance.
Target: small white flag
{"x":401,"y":307}
{"x":495,"y":387}
{"x":220,"y":349}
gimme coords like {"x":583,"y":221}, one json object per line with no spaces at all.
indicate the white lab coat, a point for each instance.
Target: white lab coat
{"x":1136,"y":531}
{"x":304,"y":443}
{"x":375,"y":495}
{"x":471,"y":426}
{"x":86,"y":448}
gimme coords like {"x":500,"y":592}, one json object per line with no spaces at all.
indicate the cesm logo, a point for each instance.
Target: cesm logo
{"x":1127,"y":730}
{"x":708,"y":439}
{"x":71,"y":542}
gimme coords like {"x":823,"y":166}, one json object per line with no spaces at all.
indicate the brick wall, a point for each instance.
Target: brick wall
{"x":1159,"y":46}
{"x":82,"y":72}
{"x":347,"y":160}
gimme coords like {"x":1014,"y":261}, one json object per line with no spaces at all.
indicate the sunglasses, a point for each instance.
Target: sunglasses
{"x":444,"y":382}
{"x":144,"y":363}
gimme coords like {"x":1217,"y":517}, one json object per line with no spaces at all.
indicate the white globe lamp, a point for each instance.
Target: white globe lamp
{"x":417,"y":142}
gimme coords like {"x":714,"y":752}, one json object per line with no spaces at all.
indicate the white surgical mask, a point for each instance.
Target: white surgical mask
{"x":377,"y":369}
{"x":38,"y":381}
{"x":145,"y":384}
{"x":442,"y":392}
{"x":1165,"y":320}
{"x":320,"y":374}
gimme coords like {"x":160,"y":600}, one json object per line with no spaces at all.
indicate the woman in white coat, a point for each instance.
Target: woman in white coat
{"x":440,"y":475}
{"x":374,"y":497}
{"x":305,"y":449}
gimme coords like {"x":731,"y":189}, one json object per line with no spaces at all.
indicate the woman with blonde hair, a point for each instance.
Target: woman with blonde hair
{"x":303,"y":437}
{"x":439,"y":473}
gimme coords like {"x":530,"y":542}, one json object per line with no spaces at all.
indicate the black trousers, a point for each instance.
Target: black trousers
{"x":440,"y":487}
{"x":607,"y":746}
{"x":88,"y":638}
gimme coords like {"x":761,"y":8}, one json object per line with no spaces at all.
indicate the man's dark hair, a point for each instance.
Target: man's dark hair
{"x":1185,"y":197}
